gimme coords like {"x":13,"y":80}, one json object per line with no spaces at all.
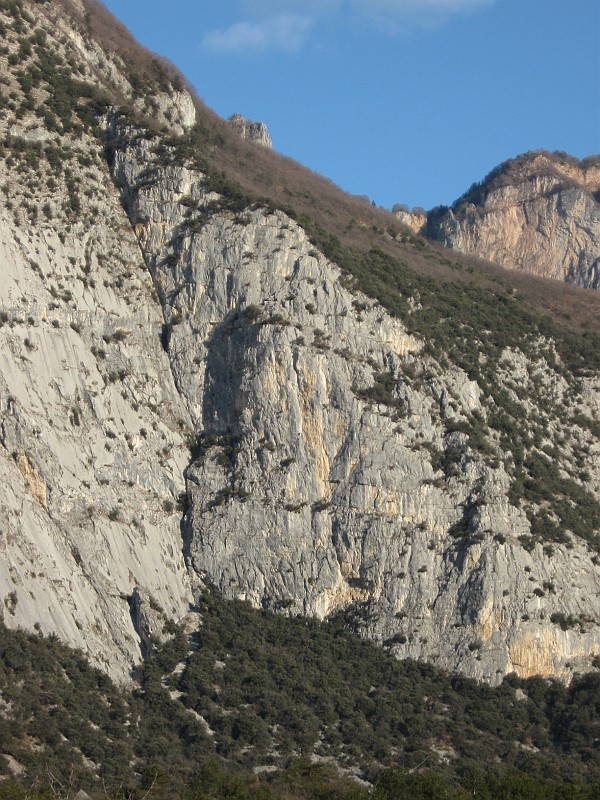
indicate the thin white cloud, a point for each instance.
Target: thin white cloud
{"x":394,"y":16}
{"x":284,"y":25}
{"x":398,"y":7}
{"x":447,"y":6}
{"x":282,"y":32}
{"x":270,"y":7}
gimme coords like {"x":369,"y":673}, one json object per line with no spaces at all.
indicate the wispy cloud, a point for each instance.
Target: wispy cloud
{"x":391,"y":7}
{"x":311,"y":8}
{"x":283,"y":32}
{"x":397,"y":14}
{"x":445,"y":6}
{"x":284,"y":25}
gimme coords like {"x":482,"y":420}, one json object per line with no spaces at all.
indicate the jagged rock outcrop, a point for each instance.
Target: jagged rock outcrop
{"x":253,"y":131}
{"x":539,"y":213}
{"x":415,"y":220}
{"x":193,"y":394}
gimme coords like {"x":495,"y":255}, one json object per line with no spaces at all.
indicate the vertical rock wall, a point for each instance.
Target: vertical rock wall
{"x":315,"y":490}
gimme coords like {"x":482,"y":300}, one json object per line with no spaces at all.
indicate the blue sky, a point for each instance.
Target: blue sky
{"x":406,"y":101}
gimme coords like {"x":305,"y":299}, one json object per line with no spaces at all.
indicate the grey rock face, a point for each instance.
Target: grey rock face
{"x":542,"y":217}
{"x":253,"y":131}
{"x":310,"y":497}
{"x":93,"y":437}
{"x":149,"y":620}
{"x":93,"y":433}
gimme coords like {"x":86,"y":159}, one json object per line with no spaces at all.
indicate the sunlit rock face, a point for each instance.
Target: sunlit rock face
{"x":94,"y":434}
{"x":253,"y":131}
{"x":538,"y":214}
{"x":415,"y":220}
{"x":312,"y":494}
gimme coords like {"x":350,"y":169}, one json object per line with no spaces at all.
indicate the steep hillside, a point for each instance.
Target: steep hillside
{"x":219,"y":370}
{"x":538,"y":213}
{"x":412,"y":469}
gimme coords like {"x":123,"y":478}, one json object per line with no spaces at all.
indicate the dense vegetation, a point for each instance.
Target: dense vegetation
{"x":258,"y":690}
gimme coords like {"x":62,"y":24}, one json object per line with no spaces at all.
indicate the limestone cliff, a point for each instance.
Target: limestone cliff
{"x":253,"y":131}
{"x":307,"y":496}
{"x":538,"y":213}
{"x":416,"y":220}
{"x":192,"y":393}
{"x":93,"y":433}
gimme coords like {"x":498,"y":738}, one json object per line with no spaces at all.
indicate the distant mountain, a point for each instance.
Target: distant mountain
{"x":538,"y":213}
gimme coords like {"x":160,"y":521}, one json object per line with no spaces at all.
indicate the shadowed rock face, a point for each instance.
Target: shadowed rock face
{"x":253,"y":131}
{"x":191,"y":395}
{"x":538,"y":214}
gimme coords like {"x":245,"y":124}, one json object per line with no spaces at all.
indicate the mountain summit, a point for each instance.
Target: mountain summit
{"x":255,"y":131}
{"x":538,"y":213}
